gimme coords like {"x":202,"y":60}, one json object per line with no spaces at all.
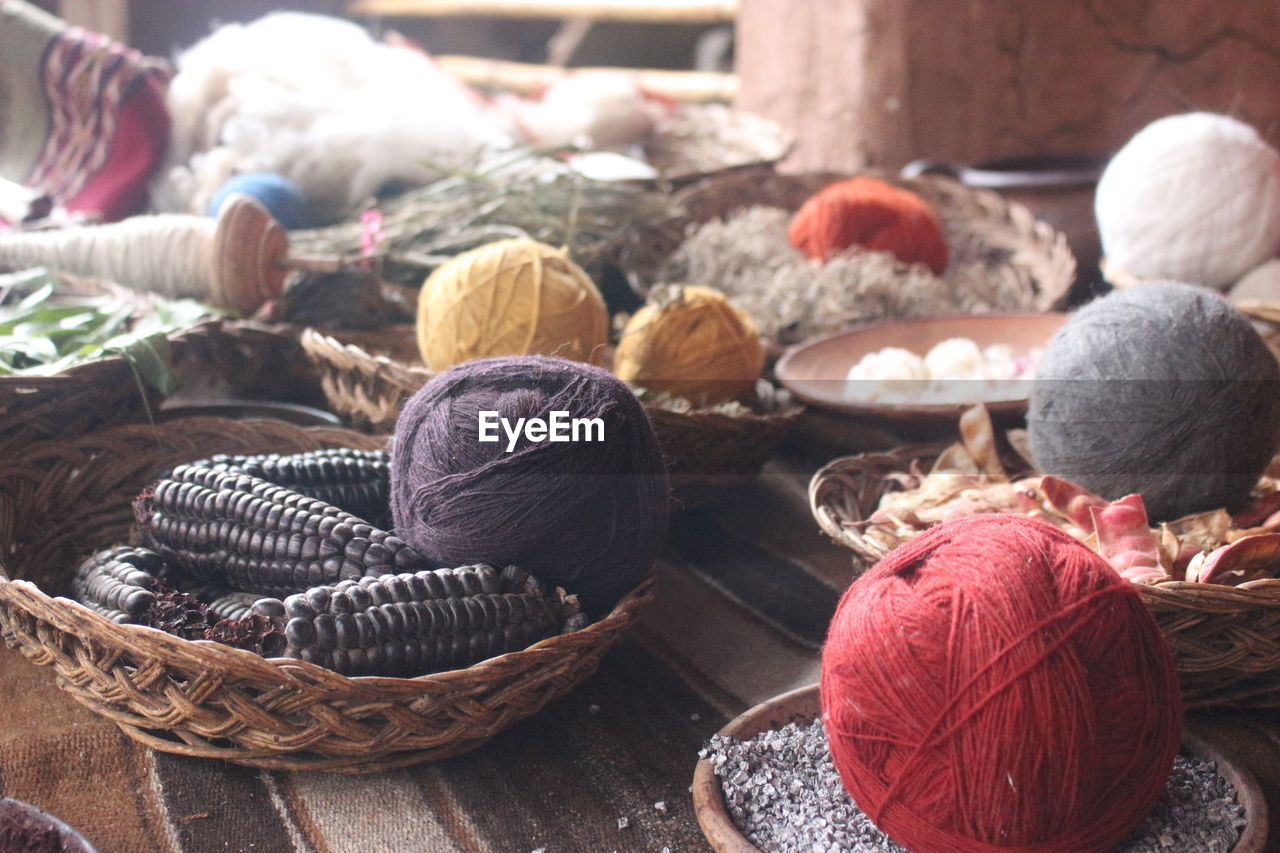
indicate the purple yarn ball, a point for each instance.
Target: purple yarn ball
{"x":589,"y":516}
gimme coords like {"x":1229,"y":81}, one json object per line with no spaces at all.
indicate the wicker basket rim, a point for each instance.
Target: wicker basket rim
{"x":79,"y":373}
{"x":325,"y":350}
{"x":711,"y":417}
{"x":321,"y":346}
{"x":70,"y":616}
{"x":1000,"y":207}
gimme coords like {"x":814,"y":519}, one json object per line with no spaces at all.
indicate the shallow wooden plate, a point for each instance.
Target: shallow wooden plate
{"x":802,"y":705}
{"x":814,"y":371}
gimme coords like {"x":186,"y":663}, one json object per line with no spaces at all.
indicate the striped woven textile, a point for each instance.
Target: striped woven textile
{"x":621,"y":748}
{"x":83,"y":118}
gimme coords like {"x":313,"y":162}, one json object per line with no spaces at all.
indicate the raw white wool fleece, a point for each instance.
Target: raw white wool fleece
{"x":317,"y":100}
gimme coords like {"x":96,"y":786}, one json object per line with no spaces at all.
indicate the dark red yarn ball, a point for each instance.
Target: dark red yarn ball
{"x":873,"y":214}
{"x":589,"y":516}
{"x":993,"y":685}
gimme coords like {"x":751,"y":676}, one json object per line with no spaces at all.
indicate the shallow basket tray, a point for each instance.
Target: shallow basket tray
{"x":63,"y":500}
{"x":97,"y":393}
{"x":697,"y":140}
{"x":1225,"y":639}
{"x":1020,"y":256}
{"x":705,"y":451}
{"x":803,"y":705}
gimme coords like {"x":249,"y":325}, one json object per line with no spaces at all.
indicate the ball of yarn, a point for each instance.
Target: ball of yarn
{"x":994,"y":685}
{"x":1192,"y":197}
{"x":872,"y":214}
{"x":690,"y":342}
{"x":276,"y":193}
{"x":1162,"y":389}
{"x":587,"y":515}
{"x":512,"y":297}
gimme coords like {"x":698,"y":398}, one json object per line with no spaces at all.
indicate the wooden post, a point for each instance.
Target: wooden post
{"x":657,"y":11}
{"x":528,"y":78}
{"x":882,"y":82}
{"x":109,"y":17}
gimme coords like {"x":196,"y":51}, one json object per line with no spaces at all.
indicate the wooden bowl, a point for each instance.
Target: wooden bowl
{"x":814,"y":371}
{"x":802,"y":705}
{"x":32,"y":819}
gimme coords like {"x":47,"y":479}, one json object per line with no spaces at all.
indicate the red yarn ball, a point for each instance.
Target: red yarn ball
{"x":993,"y":685}
{"x":872,"y":214}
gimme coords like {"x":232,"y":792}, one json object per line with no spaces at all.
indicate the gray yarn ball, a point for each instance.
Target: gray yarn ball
{"x":1162,"y":389}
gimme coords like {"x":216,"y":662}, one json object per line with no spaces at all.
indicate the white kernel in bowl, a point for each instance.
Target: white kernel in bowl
{"x":955,"y":358}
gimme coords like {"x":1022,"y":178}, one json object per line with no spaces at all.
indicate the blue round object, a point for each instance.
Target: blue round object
{"x":276,"y":193}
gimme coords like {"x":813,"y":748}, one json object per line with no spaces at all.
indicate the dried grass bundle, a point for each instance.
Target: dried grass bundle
{"x":532,"y":196}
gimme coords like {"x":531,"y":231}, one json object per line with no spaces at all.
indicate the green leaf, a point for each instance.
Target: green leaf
{"x":37,"y":283}
{"x":34,"y":349}
{"x":44,"y":331}
{"x":173,"y":314}
{"x":149,"y":357}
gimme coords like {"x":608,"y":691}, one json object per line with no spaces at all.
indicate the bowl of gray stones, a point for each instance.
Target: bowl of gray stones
{"x":766,"y":784}
{"x":27,"y":829}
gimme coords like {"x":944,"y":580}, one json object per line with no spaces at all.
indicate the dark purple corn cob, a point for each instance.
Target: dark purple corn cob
{"x":356,"y":481}
{"x":415,"y":623}
{"x":234,"y":530}
{"x":119,"y":583}
{"x":230,"y":605}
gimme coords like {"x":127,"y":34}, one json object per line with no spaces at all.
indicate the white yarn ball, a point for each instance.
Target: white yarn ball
{"x":1192,"y":197}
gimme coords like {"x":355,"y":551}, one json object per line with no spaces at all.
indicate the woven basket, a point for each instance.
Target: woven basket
{"x":699,"y":140}
{"x":705,"y":451}
{"x":1020,"y":256}
{"x":1225,"y":639}
{"x":63,"y":500}
{"x":87,"y":396}
{"x":217,"y":358}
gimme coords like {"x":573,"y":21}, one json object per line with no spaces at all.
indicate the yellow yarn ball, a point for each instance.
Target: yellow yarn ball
{"x":691,"y":343}
{"x":512,"y":297}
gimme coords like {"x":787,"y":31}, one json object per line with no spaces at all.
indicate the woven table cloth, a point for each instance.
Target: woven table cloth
{"x":744,"y":592}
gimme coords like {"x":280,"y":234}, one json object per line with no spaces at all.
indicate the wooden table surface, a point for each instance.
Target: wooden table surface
{"x":743,"y":595}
